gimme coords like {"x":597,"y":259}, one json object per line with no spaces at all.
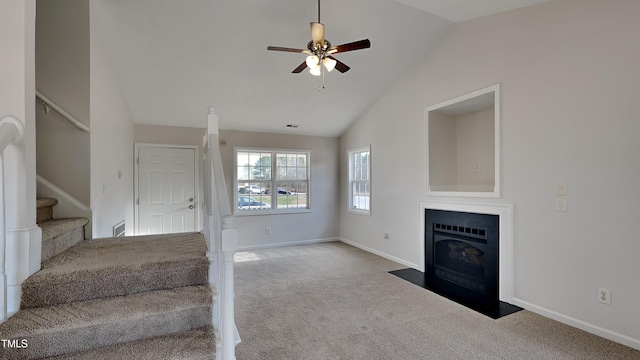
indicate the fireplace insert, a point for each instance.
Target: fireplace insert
{"x":462,"y":256}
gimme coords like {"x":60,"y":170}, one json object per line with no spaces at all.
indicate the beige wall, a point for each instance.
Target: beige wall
{"x":443,"y":149}
{"x":111,"y":141}
{"x":569,"y":86}
{"x":62,"y":75}
{"x":170,"y":135}
{"x":319,"y":224}
{"x":475,"y":141}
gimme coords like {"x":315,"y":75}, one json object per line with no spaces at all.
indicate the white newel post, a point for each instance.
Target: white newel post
{"x":229,"y":246}
{"x":223,"y":244}
{"x":11,"y":131}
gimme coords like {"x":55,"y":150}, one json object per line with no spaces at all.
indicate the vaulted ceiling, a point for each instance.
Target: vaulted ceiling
{"x":176,"y":58}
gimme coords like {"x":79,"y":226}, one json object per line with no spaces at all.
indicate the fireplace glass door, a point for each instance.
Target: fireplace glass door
{"x":460,"y":261}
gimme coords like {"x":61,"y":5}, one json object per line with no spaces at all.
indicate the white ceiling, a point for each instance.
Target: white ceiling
{"x":176,"y":58}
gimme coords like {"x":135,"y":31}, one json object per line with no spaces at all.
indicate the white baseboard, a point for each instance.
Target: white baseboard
{"x":283,"y":244}
{"x":380,"y":253}
{"x":594,"y":329}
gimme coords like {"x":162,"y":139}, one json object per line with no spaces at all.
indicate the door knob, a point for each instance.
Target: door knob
{"x":190,"y":206}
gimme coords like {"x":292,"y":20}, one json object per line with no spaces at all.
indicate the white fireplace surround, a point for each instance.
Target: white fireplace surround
{"x":505,"y":213}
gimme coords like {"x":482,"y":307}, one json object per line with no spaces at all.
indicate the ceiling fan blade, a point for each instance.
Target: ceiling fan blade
{"x":317,"y":33}
{"x":300,"y":68}
{"x":340,"y":66}
{"x":279,"y":48}
{"x":356,"y":45}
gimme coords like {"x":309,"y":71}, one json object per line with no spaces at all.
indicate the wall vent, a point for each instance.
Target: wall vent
{"x":119,"y":229}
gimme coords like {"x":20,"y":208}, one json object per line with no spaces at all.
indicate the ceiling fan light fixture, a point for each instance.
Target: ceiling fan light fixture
{"x":320,"y":52}
{"x":312,"y":61}
{"x":315,"y":71}
{"x":329,"y":64}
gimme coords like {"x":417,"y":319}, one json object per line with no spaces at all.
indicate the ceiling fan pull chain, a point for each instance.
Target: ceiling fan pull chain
{"x":322,"y":86}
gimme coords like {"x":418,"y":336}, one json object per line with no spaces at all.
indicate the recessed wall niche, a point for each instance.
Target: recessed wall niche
{"x":463,"y":137}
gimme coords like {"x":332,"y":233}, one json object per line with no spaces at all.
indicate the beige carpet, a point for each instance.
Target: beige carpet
{"x":118,"y":266}
{"x":143,"y":297}
{"x":333,"y":301}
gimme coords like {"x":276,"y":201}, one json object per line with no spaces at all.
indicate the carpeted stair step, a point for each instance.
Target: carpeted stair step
{"x":109,"y":267}
{"x":70,"y":328}
{"x":44,"y":209}
{"x":60,"y":234}
{"x":197,"y":344}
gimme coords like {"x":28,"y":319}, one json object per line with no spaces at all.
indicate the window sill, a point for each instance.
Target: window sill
{"x":270,"y":212}
{"x":359,"y":212}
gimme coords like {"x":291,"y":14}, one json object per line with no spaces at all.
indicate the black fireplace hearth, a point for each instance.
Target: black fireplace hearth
{"x":462,"y":260}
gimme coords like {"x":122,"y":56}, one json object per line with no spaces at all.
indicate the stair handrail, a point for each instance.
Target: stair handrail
{"x":49,"y":103}
{"x":11,"y":131}
{"x":222,"y":241}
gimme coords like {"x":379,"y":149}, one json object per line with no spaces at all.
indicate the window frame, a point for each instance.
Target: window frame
{"x":274,"y":182}
{"x":351,"y":155}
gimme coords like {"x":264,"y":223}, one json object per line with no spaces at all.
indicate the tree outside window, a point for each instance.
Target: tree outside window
{"x":272,"y":181}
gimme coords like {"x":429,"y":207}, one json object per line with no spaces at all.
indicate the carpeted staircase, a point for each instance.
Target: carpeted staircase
{"x":57,"y":234}
{"x":143,"y":297}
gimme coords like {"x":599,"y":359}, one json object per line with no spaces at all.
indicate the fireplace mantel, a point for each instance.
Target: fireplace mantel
{"x":504,"y":211}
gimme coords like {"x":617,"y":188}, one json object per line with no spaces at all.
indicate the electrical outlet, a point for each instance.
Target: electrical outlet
{"x":267,"y":231}
{"x":604,"y":296}
{"x":477,"y":168}
{"x":386,"y":236}
{"x":562,"y":204}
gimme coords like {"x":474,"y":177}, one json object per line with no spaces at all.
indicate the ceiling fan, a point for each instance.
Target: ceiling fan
{"x":320,"y":51}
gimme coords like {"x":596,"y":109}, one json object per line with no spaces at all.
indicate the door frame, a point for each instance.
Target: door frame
{"x":136,"y":183}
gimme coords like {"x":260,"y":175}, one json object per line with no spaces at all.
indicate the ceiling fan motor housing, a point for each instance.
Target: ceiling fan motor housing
{"x":319,"y":50}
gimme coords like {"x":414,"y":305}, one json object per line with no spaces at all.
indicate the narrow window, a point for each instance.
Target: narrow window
{"x":360,"y":180}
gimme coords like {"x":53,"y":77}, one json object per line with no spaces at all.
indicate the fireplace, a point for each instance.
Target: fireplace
{"x":462,"y":256}
{"x":466,"y":255}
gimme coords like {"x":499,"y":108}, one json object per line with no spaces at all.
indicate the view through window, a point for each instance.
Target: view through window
{"x":272,"y":180}
{"x":360,"y":180}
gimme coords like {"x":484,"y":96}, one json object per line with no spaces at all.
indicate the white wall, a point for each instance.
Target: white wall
{"x":17,"y":92}
{"x":62,"y":75}
{"x":319,"y":224}
{"x":570,"y":82}
{"x":111,"y":141}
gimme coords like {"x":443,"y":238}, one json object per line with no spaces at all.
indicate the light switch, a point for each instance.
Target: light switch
{"x":563,"y":189}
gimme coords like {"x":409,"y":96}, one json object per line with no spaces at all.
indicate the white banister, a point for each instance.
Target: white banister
{"x":11,"y":131}
{"x":228,"y":331}
{"x":222,"y":240}
{"x":48,"y":103}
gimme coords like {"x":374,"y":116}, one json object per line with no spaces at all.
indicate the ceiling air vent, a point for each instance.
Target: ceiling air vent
{"x":292,"y":126}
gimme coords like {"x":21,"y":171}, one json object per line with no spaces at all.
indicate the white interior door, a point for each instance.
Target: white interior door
{"x":166,"y":190}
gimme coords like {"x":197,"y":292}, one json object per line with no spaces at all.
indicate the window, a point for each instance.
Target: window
{"x":360,"y":180}
{"x":272,"y":181}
